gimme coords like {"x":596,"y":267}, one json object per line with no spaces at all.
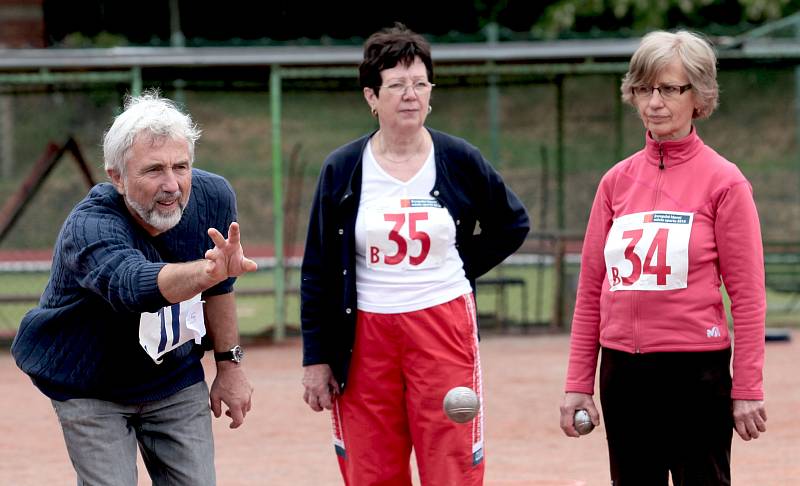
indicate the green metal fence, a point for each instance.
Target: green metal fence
{"x":551,"y":129}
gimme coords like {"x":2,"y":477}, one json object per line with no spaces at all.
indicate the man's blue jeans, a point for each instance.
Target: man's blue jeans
{"x":174,"y":436}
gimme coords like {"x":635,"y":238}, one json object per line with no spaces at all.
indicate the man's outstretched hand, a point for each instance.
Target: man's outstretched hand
{"x":227,"y":258}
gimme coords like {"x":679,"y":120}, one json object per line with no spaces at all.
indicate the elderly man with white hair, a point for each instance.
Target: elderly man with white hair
{"x":140,"y":273}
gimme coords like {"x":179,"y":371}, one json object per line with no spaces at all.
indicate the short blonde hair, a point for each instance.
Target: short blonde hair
{"x":660,"y":48}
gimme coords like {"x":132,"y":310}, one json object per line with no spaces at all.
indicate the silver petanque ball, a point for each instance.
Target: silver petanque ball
{"x":461,"y":404}
{"x":583,"y":422}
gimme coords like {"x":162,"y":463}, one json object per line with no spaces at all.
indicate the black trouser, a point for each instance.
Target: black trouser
{"x":667,"y":413}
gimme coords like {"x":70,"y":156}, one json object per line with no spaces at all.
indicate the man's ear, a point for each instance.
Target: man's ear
{"x":116,"y":179}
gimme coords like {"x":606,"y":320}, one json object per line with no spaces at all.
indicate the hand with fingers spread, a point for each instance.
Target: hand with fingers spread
{"x":227,"y":258}
{"x":749,"y":418}
{"x":320,"y":387}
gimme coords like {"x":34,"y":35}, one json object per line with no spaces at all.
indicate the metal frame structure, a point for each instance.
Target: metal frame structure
{"x":13,"y":207}
{"x":553,"y":60}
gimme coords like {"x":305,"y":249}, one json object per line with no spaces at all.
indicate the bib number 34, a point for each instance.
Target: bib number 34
{"x":649,"y":251}
{"x":657,"y":252}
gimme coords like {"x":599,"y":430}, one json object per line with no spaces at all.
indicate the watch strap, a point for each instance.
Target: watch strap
{"x":234,"y":354}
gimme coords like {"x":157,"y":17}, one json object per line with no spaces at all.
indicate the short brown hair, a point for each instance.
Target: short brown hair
{"x":389,"y":47}
{"x":658,"y":49}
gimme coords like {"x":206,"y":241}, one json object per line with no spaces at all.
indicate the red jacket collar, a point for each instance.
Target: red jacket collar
{"x":672,"y":152}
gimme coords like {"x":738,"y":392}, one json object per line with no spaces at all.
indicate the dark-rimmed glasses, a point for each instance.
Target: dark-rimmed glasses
{"x":666,"y":91}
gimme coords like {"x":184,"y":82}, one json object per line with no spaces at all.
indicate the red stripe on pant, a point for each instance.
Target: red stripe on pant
{"x":402,"y":367}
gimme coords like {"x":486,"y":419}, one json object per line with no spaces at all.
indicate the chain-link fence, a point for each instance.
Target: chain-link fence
{"x":755,"y":127}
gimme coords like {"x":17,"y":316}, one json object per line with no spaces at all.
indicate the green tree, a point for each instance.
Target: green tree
{"x":565,"y":16}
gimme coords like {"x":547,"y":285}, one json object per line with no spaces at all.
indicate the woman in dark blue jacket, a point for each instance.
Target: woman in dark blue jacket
{"x":403,"y":222}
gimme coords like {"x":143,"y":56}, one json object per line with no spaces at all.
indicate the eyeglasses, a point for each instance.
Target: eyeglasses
{"x":666,"y":91}
{"x":419,"y":87}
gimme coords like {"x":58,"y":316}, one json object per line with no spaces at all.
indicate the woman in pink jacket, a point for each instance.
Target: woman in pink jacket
{"x":668,"y":226}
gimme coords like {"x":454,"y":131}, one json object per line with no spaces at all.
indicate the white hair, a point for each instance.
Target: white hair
{"x":150,"y":115}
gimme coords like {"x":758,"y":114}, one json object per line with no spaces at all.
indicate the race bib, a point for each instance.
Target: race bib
{"x":406,"y":234}
{"x":161,"y":332}
{"x":649,"y":251}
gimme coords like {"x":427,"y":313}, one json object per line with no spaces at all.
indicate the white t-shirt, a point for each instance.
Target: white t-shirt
{"x":406,"y":258}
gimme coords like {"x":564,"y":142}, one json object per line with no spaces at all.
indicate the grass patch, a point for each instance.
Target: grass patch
{"x":257,"y":312}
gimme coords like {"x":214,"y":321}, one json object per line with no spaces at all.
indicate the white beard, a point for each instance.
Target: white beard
{"x":153,"y":217}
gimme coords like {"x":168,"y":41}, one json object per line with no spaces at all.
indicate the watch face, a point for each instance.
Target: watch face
{"x":238,"y":353}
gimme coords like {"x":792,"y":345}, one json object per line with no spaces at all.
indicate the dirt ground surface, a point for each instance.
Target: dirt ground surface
{"x":284,"y":443}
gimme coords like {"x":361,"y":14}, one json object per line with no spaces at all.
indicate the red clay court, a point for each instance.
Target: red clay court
{"x":284,"y":443}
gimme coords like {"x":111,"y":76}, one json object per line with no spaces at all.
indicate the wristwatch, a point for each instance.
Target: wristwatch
{"x":235,"y":354}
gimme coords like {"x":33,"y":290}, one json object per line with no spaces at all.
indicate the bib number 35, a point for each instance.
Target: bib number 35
{"x":399,"y":220}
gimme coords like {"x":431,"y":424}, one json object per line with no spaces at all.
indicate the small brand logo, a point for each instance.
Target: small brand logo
{"x":713,"y":332}
{"x":477,"y":457}
{"x":666,"y":218}
{"x":419,"y":203}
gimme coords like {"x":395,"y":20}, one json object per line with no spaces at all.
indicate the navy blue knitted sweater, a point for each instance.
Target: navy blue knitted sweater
{"x":82,"y":341}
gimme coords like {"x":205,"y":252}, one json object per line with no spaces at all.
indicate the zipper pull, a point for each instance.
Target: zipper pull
{"x":660,"y":158}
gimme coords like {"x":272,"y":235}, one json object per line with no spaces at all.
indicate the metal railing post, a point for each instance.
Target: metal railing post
{"x":277,"y":200}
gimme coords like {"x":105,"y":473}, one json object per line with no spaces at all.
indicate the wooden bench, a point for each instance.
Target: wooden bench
{"x":500,"y":286}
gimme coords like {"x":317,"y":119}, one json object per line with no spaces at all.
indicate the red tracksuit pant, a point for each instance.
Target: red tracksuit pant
{"x":402,"y":367}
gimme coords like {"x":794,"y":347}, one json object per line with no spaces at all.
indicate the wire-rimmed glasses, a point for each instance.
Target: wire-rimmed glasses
{"x":399,"y":88}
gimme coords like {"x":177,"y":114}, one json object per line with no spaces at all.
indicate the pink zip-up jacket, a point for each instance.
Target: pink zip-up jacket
{"x":668,"y":225}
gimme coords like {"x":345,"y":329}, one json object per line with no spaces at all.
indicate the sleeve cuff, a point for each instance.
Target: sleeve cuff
{"x":148,"y":292}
